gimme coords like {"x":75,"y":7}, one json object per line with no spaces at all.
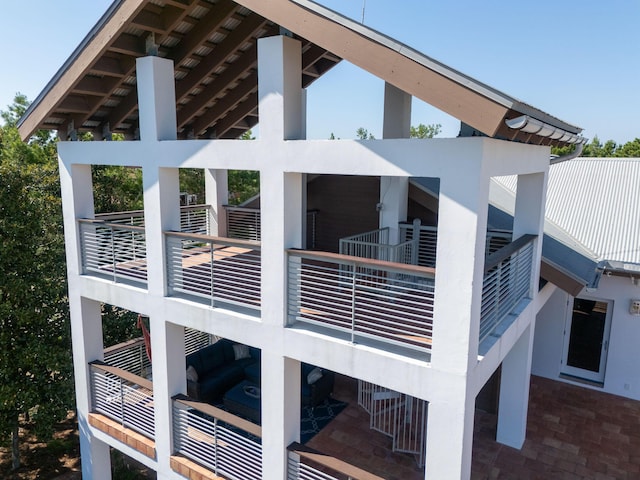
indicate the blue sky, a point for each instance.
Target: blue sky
{"x":579,"y":61}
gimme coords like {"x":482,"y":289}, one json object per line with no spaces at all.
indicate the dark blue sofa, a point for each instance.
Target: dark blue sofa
{"x":217,"y":370}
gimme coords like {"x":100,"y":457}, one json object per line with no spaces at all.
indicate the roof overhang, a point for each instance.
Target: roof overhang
{"x":213,"y":46}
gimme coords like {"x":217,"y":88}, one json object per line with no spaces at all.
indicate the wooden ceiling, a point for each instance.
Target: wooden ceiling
{"x":214,"y":48}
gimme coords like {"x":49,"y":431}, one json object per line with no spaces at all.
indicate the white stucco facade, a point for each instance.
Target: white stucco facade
{"x":449,"y":378}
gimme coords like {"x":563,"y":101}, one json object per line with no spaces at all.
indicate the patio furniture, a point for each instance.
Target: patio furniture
{"x":244,"y":400}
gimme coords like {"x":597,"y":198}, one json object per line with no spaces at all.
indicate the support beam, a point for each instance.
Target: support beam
{"x":156,"y":99}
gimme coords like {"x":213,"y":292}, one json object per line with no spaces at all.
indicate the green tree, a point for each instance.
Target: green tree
{"x":425,"y":131}
{"x":629,"y":149}
{"x":363,"y":134}
{"x":35,"y":364}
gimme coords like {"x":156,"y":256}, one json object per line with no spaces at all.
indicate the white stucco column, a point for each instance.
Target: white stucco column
{"x":217,"y":195}
{"x":156,"y":98}
{"x":464,"y":194}
{"x":394,"y":191}
{"x":156,"y":102}
{"x":516,"y":366}
{"x":514,"y":392}
{"x":281,"y":109}
{"x":86,"y":322}
{"x":167,"y":347}
{"x":87,"y":344}
{"x":281,"y":102}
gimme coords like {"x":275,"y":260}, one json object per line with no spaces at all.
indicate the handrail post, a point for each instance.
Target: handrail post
{"x":211,"y":278}
{"x":122,"y":422}
{"x":353,"y":302}
{"x":113,"y":253}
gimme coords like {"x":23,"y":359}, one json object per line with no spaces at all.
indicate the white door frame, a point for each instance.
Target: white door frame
{"x":579,"y":372}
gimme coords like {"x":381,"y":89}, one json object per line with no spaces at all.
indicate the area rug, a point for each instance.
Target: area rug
{"x":312,"y":420}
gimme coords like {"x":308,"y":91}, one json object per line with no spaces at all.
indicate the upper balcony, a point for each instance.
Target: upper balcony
{"x":372,"y":291}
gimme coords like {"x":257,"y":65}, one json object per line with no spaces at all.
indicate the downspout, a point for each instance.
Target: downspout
{"x":568,"y":156}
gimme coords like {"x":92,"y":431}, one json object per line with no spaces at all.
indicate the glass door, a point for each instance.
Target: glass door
{"x":586,"y":339}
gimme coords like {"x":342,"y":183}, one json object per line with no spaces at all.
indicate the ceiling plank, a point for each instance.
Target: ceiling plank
{"x":231,"y":74}
{"x":241,"y":111}
{"x":225,"y":104}
{"x":219,"y":54}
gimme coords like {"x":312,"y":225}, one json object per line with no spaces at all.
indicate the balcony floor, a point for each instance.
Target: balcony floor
{"x":573,"y":433}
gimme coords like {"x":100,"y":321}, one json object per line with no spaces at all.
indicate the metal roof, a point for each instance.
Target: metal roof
{"x":597,"y":202}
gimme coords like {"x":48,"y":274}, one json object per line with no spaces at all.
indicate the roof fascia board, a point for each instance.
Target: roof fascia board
{"x":95,"y":43}
{"x":484,"y":108}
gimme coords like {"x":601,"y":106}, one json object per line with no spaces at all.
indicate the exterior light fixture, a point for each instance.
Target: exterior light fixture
{"x":527,"y":124}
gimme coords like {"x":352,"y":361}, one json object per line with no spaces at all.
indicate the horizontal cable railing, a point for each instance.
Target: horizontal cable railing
{"x":216,"y":269}
{"x":507,"y":281}
{"x":130,"y":356}
{"x":116,"y":250}
{"x":195,"y":219}
{"x":227,"y":445}
{"x":123,"y":397}
{"x":305,"y":463}
{"x":243,"y":222}
{"x":132,"y":217}
{"x":365,"y":298}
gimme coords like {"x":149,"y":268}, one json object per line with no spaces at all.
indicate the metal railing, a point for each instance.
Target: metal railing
{"x":305,"y":463}
{"x":428,"y":239}
{"x":193,"y":218}
{"x":123,"y":397}
{"x":364,"y":298}
{"x":507,"y":281}
{"x":227,"y":445}
{"x":243,"y":222}
{"x":114,"y":250}
{"x":213,"y":268}
{"x":375,"y":245}
{"x":130,"y":356}
{"x":397,"y":415}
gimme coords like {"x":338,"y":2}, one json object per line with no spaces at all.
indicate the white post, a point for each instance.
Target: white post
{"x":516,"y":366}
{"x":167,"y":347}
{"x":86,"y":321}
{"x":281,"y":118}
{"x":156,"y":98}
{"x":394,"y":191}
{"x":87,"y":344}
{"x":217,"y":195}
{"x":458,"y":293}
{"x":514,"y":392}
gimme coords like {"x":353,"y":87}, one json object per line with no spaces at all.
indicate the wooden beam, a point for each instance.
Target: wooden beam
{"x":128,"y":44}
{"x":232,"y":118}
{"x":114,"y":66}
{"x":219,"y":55}
{"x":226,"y":103}
{"x":100,"y":86}
{"x":231,"y":74}
{"x":451,"y":96}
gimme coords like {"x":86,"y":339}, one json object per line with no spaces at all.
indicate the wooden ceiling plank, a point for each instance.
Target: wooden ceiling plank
{"x":128,"y":44}
{"x":232,"y":73}
{"x":240,"y":112}
{"x":218,"y":56}
{"x":219,"y":13}
{"x":90,"y":85}
{"x":225,"y":104}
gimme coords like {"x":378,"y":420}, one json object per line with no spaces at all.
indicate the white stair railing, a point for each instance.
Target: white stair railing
{"x":397,"y":415}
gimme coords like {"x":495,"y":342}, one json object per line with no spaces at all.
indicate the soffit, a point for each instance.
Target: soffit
{"x":213,"y":45}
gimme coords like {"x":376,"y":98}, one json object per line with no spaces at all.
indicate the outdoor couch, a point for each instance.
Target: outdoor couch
{"x":218,"y":367}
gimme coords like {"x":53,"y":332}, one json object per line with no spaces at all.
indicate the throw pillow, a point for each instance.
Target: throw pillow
{"x":314,"y":376}
{"x":192,"y":374}
{"x":241,"y":351}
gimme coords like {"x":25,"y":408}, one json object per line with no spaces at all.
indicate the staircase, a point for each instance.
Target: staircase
{"x":397,"y":415}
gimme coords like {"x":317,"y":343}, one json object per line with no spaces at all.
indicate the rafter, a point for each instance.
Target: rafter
{"x":241,"y":111}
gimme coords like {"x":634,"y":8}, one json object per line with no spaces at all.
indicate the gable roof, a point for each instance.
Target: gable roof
{"x":596,"y":201}
{"x":213,"y":45}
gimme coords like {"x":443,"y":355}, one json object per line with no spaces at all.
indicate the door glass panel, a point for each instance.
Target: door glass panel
{"x":587,"y":334}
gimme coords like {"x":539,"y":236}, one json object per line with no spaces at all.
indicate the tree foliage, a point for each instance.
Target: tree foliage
{"x":610,"y":148}
{"x":425,"y":131}
{"x":35,"y":364}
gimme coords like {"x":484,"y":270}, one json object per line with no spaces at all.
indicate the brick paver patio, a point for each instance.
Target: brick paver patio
{"x":573,"y":433}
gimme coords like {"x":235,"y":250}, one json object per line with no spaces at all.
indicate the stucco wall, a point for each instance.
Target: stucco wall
{"x":622,"y":375}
